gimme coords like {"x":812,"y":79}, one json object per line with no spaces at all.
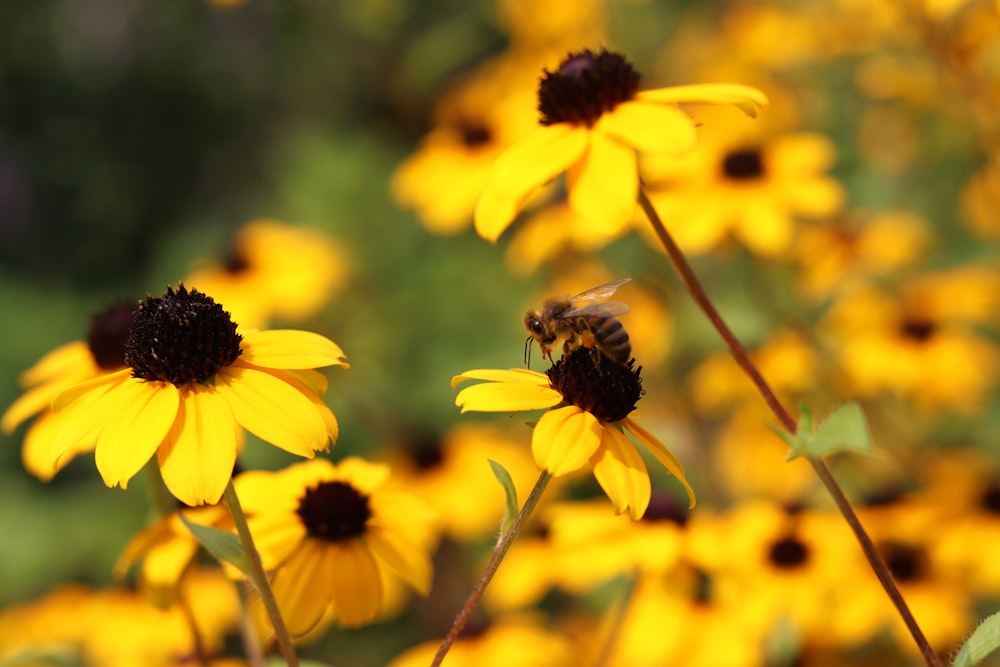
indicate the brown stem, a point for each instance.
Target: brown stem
{"x":743,"y":360}
{"x":491,"y":567}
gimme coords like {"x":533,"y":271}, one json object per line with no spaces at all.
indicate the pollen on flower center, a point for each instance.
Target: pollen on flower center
{"x":107,"y":335}
{"x":585,"y":86}
{"x":181,"y":337}
{"x":606,"y":389}
{"x":334,"y":511}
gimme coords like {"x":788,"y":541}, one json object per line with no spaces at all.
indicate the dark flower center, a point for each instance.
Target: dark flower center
{"x":426,"y":453}
{"x":235,"y":262}
{"x":180,"y":337}
{"x":906,"y":562}
{"x":334,"y":511}
{"x":664,"y":508}
{"x":594,"y":383}
{"x":107,"y":335}
{"x":788,"y":553}
{"x":585,"y":86}
{"x":989,"y":499}
{"x":745,"y":164}
{"x":474,"y":135}
{"x":918,"y":329}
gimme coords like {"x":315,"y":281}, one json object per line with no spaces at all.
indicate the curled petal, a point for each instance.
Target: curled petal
{"x":513,"y":375}
{"x":747,"y":99}
{"x":564,"y":439}
{"x":662,"y":454}
{"x":290,"y":349}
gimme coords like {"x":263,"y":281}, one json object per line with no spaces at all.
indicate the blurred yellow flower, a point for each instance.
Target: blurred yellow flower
{"x":333,"y":535}
{"x":922,"y":343}
{"x":754,"y":189}
{"x":102,"y":352}
{"x":595,"y":121}
{"x":520,"y":640}
{"x":191,"y":386}
{"x":587,"y":409}
{"x":274,"y":271}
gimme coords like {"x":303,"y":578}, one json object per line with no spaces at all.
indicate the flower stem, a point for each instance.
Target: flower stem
{"x":259,"y":577}
{"x":617,"y":621}
{"x":503,"y":544}
{"x":743,"y":360}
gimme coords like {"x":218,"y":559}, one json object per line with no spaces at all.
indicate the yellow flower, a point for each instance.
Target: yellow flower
{"x":587,"y":410}
{"x":594,"y":122}
{"x":274,"y":270}
{"x":517,"y":640}
{"x":334,"y":537}
{"x":749,"y":188}
{"x":191,"y":386}
{"x":445,"y":472}
{"x":79,"y":361}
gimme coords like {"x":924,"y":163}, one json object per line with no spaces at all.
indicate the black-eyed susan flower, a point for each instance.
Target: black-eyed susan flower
{"x":594,"y":122}
{"x":588,"y":406}
{"x":274,"y":270}
{"x":191,"y":385}
{"x":335,"y":537}
{"x":102,"y":352}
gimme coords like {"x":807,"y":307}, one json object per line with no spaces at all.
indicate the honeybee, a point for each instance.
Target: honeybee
{"x":585,"y":320}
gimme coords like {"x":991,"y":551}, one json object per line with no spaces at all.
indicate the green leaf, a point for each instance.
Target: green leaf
{"x":509,"y":492}
{"x":844,"y":430}
{"x":984,"y":640}
{"x":222,"y":544}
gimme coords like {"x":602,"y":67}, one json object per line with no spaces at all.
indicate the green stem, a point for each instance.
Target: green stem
{"x":503,"y":544}
{"x":259,"y":576}
{"x":743,"y":360}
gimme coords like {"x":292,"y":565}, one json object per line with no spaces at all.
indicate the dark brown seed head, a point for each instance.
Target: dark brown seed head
{"x":586,"y":85}
{"x":334,"y":511}
{"x":607,"y":390}
{"x":107,"y":335}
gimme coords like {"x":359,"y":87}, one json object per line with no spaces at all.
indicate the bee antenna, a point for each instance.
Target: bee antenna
{"x":527,"y":351}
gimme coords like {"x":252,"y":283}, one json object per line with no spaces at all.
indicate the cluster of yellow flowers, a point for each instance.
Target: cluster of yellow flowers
{"x":839,"y":302}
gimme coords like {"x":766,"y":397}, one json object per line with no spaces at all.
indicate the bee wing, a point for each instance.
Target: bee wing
{"x":609,"y":309}
{"x":599,"y":293}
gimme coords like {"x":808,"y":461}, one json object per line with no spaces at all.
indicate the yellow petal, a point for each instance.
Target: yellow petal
{"x":503,"y":397}
{"x":650,"y":128}
{"x":143,"y":416}
{"x":72,"y":360}
{"x":164,"y":565}
{"x":98,"y":384}
{"x":564,"y":439}
{"x":749,"y":100}
{"x":82,"y":419}
{"x":408,"y":561}
{"x":303,"y":586}
{"x":272,"y":410}
{"x":603,"y":186}
{"x":277,"y":536}
{"x":513,"y":375}
{"x":357,"y":587}
{"x":37,"y":453}
{"x":662,"y":454}
{"x":365,"y":476}
{"x":290,"y":349}
{"x":197,"y":456}
{"x":620,"y":471}
{"x":522,"y":169}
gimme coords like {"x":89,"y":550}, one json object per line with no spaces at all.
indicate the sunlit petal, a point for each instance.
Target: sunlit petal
{"x":662,"y":454}
{"x":652,"y":128}
{"x":513,"y":375}
{"x":749,"y":100}
{"x":357,"y":587}
{"x":272,"y":410}
{"x":620,"y":471}
{"x":197,"y":456}
{"x":564,"y":439}
{"x":82,"y":420}
{"x":522,"y":169}
{"x":98,"y":384}
{"x":290,"y":348}
{"x":604,"y":185}
{"x":72,"y":360}
{"x":501,"y":397}
{"x":144,"y":415}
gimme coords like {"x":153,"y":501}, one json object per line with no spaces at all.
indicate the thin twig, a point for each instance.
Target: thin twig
{"x":491,"y":567}
{"x":259,"y":577}
{"x":743,"y":360}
